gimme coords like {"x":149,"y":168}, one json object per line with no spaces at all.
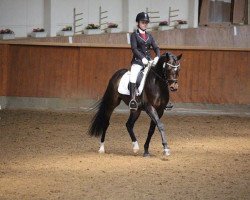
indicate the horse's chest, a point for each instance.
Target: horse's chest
{"x":158,"y":102}
{"x":158,"y":99}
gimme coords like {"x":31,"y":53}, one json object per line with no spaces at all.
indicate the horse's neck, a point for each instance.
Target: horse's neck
{"x":156,"y":85}
{"x":157,"y":73}
{"x":156,"y":76}
{"x":158,"y":69}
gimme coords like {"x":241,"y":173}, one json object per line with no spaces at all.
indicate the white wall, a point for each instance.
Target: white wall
{"x":23,"y":15}
{"x":248,"y":12}
{"x":186,"y":8}
{"x":193,"y":13}
{"x":90,"y":10}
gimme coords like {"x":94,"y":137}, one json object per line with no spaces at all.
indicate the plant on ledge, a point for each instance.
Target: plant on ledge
{"x":181,"y":21}
{"x":112,"y":25}
{"x":6,"y":31}
{"x":36,"y":30}
{"x":163,"y":23}
{"x":67,"y":28}
{"x":92,"y":26}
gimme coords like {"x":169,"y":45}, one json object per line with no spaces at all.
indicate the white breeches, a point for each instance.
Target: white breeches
{"x":135,"y":69}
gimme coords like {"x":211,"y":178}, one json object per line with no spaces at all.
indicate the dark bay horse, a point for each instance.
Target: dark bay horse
{"x":153,"y":100}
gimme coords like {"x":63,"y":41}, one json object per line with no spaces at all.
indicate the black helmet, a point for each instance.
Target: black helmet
{"x":142,"y":16}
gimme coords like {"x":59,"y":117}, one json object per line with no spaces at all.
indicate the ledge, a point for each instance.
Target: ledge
{"x":95,"y":45}
{"x":83,"y":105}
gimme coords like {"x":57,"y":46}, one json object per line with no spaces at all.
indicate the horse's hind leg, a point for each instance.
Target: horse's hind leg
{"x":130,"y":125}
{"x":102,"y":149}
{"x":115,"y":103}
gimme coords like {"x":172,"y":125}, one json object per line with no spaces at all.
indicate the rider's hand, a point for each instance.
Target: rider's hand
{"x":155,"y":60}
{"x":144,"y":61}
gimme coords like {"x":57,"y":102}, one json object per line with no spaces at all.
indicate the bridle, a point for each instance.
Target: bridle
{"x":165,"y":72}
{"x":172,"y":66}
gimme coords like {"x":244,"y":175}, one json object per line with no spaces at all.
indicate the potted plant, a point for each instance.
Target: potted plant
{"x":38,"y":33}
{"x":112,"y":28}
{"x":163,"y":25}
{"x":7,"y":34}
{"x":67,"y":28}
{"x":181,"y":24}
{"x":66,"y":31}
{"x":92,"y":29}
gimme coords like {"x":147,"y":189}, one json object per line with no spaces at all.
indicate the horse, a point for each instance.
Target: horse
{"x":153,"y":100}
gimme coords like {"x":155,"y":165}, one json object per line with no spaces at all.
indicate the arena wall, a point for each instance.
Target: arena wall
{"x":217,"y":76}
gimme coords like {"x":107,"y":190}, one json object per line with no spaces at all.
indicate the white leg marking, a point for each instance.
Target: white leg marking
{"x":101,"y":149}
{"x":135,"y":147}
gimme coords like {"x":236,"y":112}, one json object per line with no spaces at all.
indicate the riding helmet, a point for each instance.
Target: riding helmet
{"x":142,"y":16}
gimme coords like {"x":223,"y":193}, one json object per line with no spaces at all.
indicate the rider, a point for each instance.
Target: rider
{"x":140,"y":41}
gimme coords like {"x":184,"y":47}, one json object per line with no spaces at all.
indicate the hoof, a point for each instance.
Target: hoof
{"x":146,"y":155}
{"x":101,"y":151}
{"x":135,"y":147}
{"x":135,"y":151}
{"x":166,"y":152}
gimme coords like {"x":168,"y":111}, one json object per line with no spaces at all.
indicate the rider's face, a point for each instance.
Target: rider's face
{"x":143,"y":25}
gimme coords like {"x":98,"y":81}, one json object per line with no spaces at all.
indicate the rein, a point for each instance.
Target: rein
{"x":164,"y":80}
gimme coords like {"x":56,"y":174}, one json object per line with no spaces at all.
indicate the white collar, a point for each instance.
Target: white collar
{"x":141,"y":31}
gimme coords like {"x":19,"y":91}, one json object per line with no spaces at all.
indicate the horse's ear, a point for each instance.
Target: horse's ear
{"x":179,"y":57}
{"x":167,"y":56}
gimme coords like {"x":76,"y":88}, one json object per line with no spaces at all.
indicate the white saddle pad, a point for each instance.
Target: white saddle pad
{"x":123,"y":85}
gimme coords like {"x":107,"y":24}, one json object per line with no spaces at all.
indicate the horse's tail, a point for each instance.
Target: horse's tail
{"x":101,"y":120}
{"x":105,"y":107}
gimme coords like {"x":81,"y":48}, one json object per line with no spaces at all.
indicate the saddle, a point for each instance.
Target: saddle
{"x":123,"y":87}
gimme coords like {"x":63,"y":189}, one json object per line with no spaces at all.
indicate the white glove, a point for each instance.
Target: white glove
{"x":144,"y":61}
{"x":155,"y":60}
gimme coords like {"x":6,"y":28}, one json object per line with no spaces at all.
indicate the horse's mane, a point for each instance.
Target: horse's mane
{"x":161,"y":60}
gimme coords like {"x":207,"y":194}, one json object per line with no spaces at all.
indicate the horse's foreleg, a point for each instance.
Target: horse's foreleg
{"x":150,"y":134}
{"x":151,"y":111}
{"x":130,"y":125}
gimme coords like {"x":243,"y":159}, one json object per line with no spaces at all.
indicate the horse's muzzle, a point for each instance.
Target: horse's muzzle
{"x":173,"y":86}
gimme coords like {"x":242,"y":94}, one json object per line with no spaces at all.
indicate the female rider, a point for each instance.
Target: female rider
{"x":140,"y":41}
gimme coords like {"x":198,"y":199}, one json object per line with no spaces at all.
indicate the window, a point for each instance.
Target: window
{"x":223,"y":12}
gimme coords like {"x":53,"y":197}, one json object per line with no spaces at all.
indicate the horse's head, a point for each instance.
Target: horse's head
{"x":171,"y":67}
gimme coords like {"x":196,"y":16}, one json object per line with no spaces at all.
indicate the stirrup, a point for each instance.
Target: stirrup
{"x":169,"y":106}
{"x":133,"y":105}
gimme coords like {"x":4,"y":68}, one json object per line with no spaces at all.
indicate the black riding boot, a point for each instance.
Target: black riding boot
{"x":133,"y":104}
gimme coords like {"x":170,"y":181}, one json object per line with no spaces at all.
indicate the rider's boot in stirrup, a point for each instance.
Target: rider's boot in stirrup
{"x":169,"y":106}
{"x":133,"y":104}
